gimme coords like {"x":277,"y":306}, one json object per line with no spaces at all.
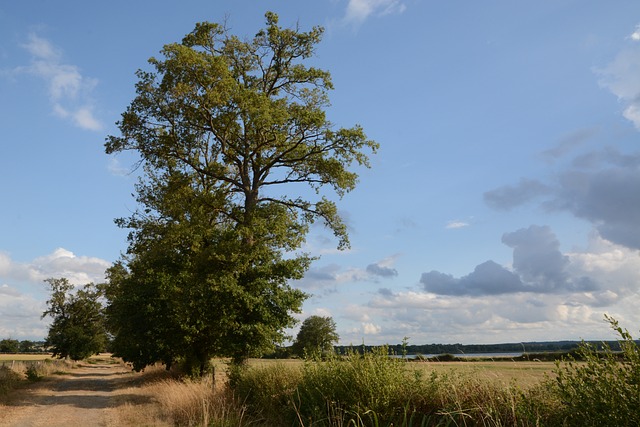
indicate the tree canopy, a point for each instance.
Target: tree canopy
{"x":9,"y":345}
{"x":228,"y":132}
{"x":317,"y":335}
{"x":78,"y":329}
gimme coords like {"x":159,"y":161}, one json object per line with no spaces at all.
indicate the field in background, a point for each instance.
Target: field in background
{"x":524,"y":374}
{"x":24,"y":356}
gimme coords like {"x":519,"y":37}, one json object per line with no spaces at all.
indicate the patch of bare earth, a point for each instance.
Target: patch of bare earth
{"x":101,"y":394}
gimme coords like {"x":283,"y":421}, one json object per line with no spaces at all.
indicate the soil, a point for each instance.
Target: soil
{"x":90,"y":395}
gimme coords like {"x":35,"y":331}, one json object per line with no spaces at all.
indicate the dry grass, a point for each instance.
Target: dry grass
{"x":157,"y":399}
{"x":4,"y":357}
{"x":522,"y":374}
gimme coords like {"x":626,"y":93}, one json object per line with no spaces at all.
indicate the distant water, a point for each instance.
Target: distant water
{"x":467,"y":355}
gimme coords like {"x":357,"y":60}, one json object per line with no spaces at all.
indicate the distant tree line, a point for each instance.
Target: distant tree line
{"x":9,"y":345}
{"x":521,"y":347}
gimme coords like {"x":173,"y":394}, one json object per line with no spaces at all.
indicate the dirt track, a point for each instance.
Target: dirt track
{"x":91,"y":395}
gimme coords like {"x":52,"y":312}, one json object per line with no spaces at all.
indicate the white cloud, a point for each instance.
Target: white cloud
{"x":81,"y":117}
{"x":59,"y":263}
{"x":622,"y":78}
{"x":115,"y":167}
{"x":69,"y":91}
{"x":20,"y":315}
{"x":454,"y":224}
{"x":559,"y":307}
{"x":635,"y":36}
{"x":371,"y":329}
{"x":23,"y":292}
{"x":359,"y":10}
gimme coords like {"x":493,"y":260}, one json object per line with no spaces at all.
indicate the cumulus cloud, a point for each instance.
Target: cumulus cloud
{"x":371,"y":329}
{"x":558,"y":295}
{"x":359,"y":10}
{"x":59,"y":263}
{"x":69,"y":91}
{"x":20,"y":315}
{"x":23,"y":293}
{"x":538,"y":267}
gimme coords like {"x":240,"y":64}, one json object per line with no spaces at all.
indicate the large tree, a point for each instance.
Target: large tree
{"x":229,"y":132}
{"x":78,"y":329}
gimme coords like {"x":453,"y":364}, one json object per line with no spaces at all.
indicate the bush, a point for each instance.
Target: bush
{"x":32,"y":373}
{"x":604,"y":390}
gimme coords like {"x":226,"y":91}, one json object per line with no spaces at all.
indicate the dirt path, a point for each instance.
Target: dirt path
{"x":90,"y":395}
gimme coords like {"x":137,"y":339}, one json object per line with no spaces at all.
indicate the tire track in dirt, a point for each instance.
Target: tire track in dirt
{"x":87,"y":396}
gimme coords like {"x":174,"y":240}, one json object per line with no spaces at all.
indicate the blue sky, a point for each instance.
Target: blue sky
{"x":502,"y":206}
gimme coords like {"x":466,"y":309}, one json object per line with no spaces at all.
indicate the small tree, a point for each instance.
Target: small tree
{"x":317,"y":335}
{"x":77,"y":330}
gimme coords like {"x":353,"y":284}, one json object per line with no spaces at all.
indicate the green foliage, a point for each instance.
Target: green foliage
{"x":26,"y":346}
{"x":78,"y":329}
{"x":9,"y":346}
{"x":373,"y":389}
{"x":357,"y":383}
{"x":225,"y":130}
{"x":32,"y":373}
{"x":604,"y":389}
{"x":316,"y":336}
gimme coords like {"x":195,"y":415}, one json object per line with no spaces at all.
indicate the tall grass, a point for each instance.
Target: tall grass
{"x":604,"y":389}
{"x":197,"y":403}
{"x":373,"y":389}
{"x":181,"y":401}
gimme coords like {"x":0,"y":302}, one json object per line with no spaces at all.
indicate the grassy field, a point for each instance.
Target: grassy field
{"x":524,"y":374}
{"x":24,"y":357}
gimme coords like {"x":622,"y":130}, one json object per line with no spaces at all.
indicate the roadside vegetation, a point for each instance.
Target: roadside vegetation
{"x":17,"y":370}
{"x":371,"y":389}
